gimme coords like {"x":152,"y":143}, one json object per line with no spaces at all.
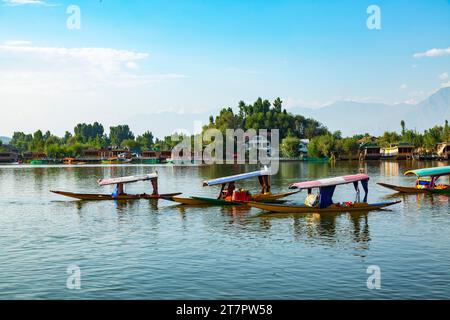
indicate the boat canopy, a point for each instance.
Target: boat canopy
{"x":327,"y":187}
{"x":329,"y":182}
{"x":223,"y":180}
{"x":129,"y":179}
{"x":430,"y":172}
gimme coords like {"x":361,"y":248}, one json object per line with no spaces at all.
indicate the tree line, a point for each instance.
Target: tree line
{"x":262,"y":114}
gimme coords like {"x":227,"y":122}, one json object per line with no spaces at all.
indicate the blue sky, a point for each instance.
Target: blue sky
{"x":141,"y":57}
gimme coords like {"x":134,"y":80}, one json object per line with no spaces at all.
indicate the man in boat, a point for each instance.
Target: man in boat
{"x":265,"y":185}
{"x":154,"y":182}
{"x":228,"y":194}
{"x":118,"y":191}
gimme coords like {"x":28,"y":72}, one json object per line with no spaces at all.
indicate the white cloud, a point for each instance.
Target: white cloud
{"x":131,"y":65}
{"x":17,"y":43}
{"x":403,"y":86}
{"x":443,"y":76}
{"x":433,"y":53}
{"x":24,"y":2}
{"x":47,"y":70}
{"x":105,"y":58}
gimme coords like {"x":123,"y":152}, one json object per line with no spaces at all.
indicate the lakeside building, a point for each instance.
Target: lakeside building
{"x":370,"y":151}
{"x":398,"y":151}
{"x":303,"y":147}
{"x":9,"y":154}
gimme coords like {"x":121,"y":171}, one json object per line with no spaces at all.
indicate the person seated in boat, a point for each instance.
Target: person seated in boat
{"x":229,"y":193}
{"x":312,"y":199}
{"x":265,"y":185}
{"x":423,"y":183}
{"x":118,"y":191}
{"x":154,"y":186}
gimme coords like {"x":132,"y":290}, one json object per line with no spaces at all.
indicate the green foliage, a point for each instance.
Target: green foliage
{"x":349,"y":146}
{"x":145,"y":140}
{"x":132,"y":145}
{"x":388,"y":138}
{"x":322,"y":146}
{"x":86,"y":132}
{"x":290,"y":147}
{"x":120,"y":133}
{"x":264,"y":115}
{"x":446,"y":132}
{"x":433,"y":136}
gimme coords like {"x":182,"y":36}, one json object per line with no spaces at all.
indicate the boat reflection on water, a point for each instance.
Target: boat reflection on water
{"x":420,"y":200}
{"x":336,"y":229}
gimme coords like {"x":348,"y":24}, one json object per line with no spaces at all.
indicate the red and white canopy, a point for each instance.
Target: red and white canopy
{"x":329,"y":182}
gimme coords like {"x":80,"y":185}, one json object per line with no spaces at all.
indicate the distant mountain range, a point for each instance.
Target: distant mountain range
{"x":347,"y":116}
{"x":5,"y":140}
{"x":375,"y":118}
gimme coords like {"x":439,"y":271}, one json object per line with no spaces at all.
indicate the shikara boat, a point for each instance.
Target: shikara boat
{"x":426,"y":181}
{"x":323,"y":202}
{"x":230,"y":196}
{"x":119,"y":193}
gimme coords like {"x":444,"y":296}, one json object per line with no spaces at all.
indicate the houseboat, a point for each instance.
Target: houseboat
{"x":371,"y":151}
{"x":400,"y":151}
{"x":9,"y":154}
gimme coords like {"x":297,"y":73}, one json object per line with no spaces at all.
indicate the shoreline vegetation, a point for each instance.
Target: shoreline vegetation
{"x":300,"y":139}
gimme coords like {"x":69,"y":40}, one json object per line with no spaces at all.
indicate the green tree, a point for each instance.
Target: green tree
{"x":388,"y":138}
{"x":131,"y":145}
{"x":120,"y":133}
{"x":322,"y":146}
{"x":432,"y":136}
{"x":290,"y":147}
{"x":85,"y":132}
{"x":446,"y":133}
{"x":402,"y":123}
{"x":145,"y":140}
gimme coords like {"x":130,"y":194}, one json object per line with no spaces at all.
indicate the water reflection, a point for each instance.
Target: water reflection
{"x":327,"y":229}
{"x":162,"y":250}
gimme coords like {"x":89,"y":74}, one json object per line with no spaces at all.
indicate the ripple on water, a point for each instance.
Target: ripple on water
{"x":141,"y":250}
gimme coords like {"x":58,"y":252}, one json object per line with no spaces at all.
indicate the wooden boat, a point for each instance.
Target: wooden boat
{"x":282,"y":208}
{"x":229,"y":196}
{"x":215,"y":202}
{"x":185,"y":201}
{"x":324,"y":203}
{"x":117,"y":160}
{"x":426,"y":181}
{"x":90,"y":196}
{"x":119,"y":193}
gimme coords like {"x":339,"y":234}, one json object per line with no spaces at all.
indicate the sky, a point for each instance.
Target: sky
{"x":120,"y":60}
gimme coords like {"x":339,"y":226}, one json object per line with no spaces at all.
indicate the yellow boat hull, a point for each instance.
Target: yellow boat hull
{"x":281,"y":208}
{"x":272,"y":196}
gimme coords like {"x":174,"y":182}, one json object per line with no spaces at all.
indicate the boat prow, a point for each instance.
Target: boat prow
{"x":280,"y":208}
{"x":402,"y":189}
{"x":186,"y":201}
{"x":272,"y":196}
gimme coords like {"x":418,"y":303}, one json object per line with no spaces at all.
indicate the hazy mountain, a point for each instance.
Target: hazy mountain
{"x":5,"y":140}
{"x":356,"y":117}
{"x":347,"y":116}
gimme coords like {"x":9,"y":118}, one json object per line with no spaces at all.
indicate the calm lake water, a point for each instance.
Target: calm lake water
{"x":159,"y":250}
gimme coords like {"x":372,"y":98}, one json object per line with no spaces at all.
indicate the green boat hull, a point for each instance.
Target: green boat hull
{"x":217,"y":202}
{"x":439,"y":191}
